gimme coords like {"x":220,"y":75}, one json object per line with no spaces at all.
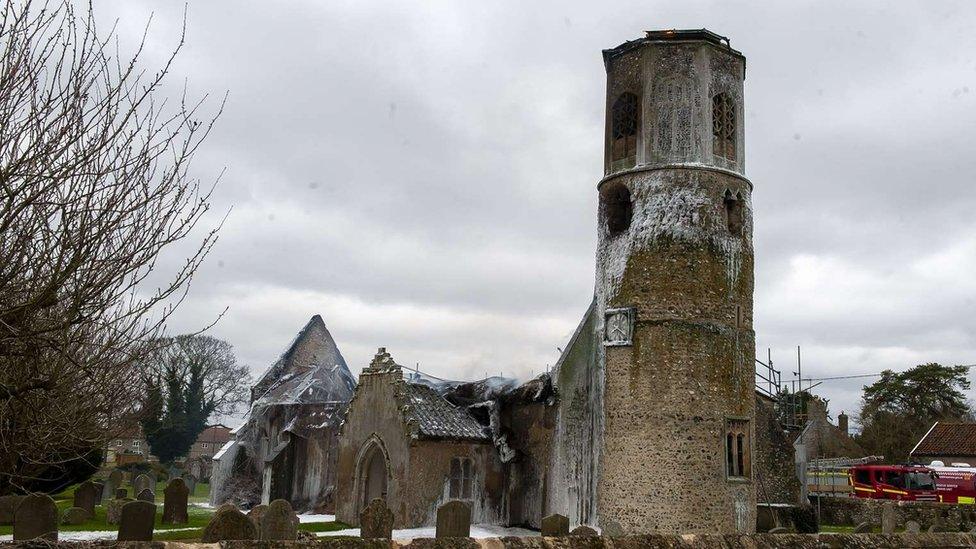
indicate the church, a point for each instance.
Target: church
{"x":647,"y":422}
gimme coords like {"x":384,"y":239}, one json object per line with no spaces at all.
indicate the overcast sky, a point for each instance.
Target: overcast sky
{"x":423,"y":175}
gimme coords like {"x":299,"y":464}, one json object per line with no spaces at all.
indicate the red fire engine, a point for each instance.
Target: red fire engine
{"x":935,"y":482}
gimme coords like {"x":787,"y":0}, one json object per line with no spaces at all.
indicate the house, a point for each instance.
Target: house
{"x":948,"y":442}
{"x":287,"y":446}
{"x":199,"y":462}
{"x":128,"y":446}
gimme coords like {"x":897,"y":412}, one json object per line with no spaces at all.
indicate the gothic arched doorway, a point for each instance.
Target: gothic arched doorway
{"x":373,"y":474}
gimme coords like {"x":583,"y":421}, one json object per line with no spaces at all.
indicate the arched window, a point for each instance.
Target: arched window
{"x":617,"y":207}
{"x":624,"y":124}
{"x":723,"y":126}
{"x":461,"y":478}
{"x":737,"y":449}
{"x":733,"y":212}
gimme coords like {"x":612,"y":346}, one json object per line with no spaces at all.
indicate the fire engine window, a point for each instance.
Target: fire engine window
{"x":737,"y":449}
{"x":862,"y":476}
{"x":921,"y":481}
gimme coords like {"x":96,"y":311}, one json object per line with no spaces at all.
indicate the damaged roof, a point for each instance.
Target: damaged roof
{"x":435,"y":417}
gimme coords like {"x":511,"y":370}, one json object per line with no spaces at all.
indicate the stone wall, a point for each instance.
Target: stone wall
{"x":853,"y":511}
{"x":701,"y":541}
{"x":775,"y":470}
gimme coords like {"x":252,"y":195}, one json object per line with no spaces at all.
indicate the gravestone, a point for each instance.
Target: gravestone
{"x":863,"y":528}
{"x":937,"y":528}
{"x":888,"y":518}
{"x":584,"y":531}
{"x":113,"y":510}
{"x":229,"y":524}
{"x":121,"y":493}
{"x":613,"y":528}
{"x":86,"y":495}
{"x":174,"y":472}
{"x":36,"y":517}
{"x":555,"y":526}
{"x":255,"y":515}
{"x":8,"y":507}
{"x":912,"y":527}
{"x":74,"y":516}
{"x":146,"y":495}
{"x":112,"y":484}
{"x":453,"y":520}
{"x":142,"y":482}
{"x":226,"y":507}
{"x":137,"y":521}
{"x":278,"y":522}
{"x":779,"y":530}
{"x":376,"y":520}
{"x":174,"y":502}
{"x":191,"y":482}
{"x":99,"y":491}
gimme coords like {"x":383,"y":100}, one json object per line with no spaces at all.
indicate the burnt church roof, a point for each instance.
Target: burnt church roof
{"x":437,"y":418}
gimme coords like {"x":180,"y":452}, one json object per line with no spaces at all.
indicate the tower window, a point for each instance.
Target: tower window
{"x":733,"y":212}
{"x":617,"y":207}
{"x":461,"y":478}
{"x":737,"y":449}
{"x":723,"y":126}
{"x":624,"y":122}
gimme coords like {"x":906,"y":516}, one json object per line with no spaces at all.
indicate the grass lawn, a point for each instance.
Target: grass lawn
{"x":199,"y":517}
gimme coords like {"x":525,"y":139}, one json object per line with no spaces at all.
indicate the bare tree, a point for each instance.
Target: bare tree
{"x":93,"y":186}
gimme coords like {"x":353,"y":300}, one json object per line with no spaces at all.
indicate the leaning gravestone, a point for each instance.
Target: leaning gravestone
{"x":8,"y":507}
{"x":113,"y":510}
{"x":142,"y":482}
{"x":74,"y":516}
{"x":376,"y":520}
{"x":453,"y":520}
{"x":86,"y":495}
{"x":37,"y":517}
{"x":912,"y":527}
{"x":99,"y":491}
{"x":555,"y":526}
{"x":255,"y":515}
{"x":863,"y":528}
{"x":146,"y":495}
{"x":584,"y":531}
{"x":278,"y":522}
{"x":229,"y":524}
{"x":174,"y":502}
{"x":888,"y":518}
{"x":191,"y":482}
{"x":137,"y":521}
{"x":112,"y":484}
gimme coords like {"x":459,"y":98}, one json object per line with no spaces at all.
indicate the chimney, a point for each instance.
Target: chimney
{"x":842,"y":422}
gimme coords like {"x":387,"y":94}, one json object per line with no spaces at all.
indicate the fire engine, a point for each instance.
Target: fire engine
{"x":935,"y":482}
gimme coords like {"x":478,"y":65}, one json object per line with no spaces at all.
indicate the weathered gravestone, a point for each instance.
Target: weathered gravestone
{"x":86,"y":495}
{"x":278,"y":522}
{"x":74,"y":516}
{"x":584,"y":531}
{"x":112,"y":484}
{"x":453,"y":520}
{"x":191,"y":482}
{"x":555,"y":526}
{"x":137,"y":521}
{"x":255,"y":515}
{"x":146,"y":495}
{"x":225,"y":507}
{"x":888,"y":518}
{"x":229,"y":524}
{"x":863,"y":528}
{"x":99,"y":491}
{"x":174,"y":502}
{"x":113,"y":510}
{"x":36,"y":517}
{"x":121,"y":493}
{"x":912,"y":527}
{"x":376,"y":520}
{"x":142,"y":482}
{"x":8,"y":507}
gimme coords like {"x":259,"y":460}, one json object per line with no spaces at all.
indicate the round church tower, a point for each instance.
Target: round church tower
{"x":674,"y":289}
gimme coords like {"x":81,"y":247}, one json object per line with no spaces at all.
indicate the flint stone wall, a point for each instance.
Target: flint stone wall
{"x":690,"y":541}
{"x":853,"y":511}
